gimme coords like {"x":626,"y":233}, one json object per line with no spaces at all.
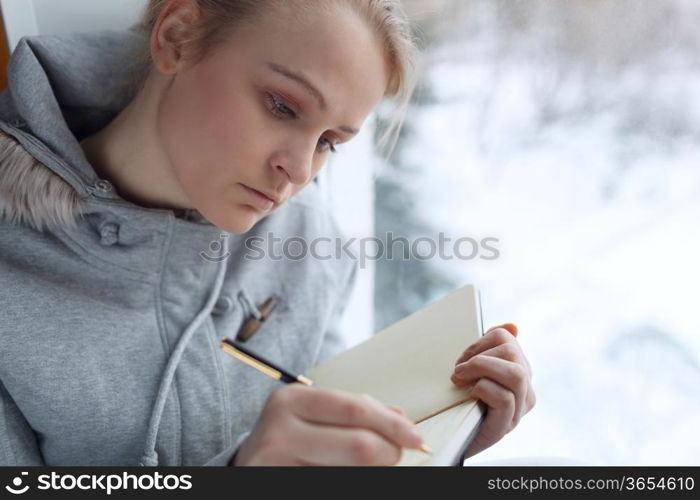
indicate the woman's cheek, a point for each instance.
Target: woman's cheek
{"x":180,"y":124}
{"x":196,"y":137}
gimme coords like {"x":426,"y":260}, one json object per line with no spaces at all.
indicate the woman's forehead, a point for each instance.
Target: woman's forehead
{"x":332,"y":52}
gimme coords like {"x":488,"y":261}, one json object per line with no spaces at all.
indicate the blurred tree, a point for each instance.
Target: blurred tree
{"x":417,"y":281}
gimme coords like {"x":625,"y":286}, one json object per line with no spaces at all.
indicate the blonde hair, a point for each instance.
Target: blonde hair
{"x":387,"y":18}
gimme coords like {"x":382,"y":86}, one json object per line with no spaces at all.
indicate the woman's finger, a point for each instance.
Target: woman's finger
{"x":512,"y":376}
{"x":510,"y":351}
{"x":331,"y":445}
{"x":511,"y":327}
{"x":492,"y":338}
{"x":327,"y":407}
{"x":499,"y":417}
{"x":531,"y":399}
{"x":396,"y":409}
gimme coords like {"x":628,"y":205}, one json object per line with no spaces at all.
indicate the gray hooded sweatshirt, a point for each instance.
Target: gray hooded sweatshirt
{"x":112,"y":313}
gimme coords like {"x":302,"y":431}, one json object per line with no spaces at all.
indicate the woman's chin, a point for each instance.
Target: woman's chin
{"x":238,"y":220}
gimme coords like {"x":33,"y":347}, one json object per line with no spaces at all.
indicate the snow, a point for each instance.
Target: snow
{"x":597,"y":220}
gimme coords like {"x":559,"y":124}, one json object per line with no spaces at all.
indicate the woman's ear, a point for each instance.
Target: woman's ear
{"x":174,"y":27}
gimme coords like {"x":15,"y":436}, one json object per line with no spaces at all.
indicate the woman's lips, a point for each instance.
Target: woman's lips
{"x":259,"y":199}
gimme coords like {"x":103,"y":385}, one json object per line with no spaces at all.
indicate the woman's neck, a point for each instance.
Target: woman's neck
{"x":126,"y":153}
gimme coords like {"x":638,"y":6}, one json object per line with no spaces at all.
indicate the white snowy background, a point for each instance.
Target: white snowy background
{"x":586,"y":166}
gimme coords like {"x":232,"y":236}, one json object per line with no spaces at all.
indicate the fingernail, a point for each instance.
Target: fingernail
{"x":396,"y":409}
{"x":512,"y":329}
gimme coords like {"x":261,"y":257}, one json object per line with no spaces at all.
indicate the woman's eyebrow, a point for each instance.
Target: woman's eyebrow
{"x":300,"y":79}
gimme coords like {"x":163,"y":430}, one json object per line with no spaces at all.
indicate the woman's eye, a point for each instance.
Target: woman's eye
{"x":329,"y":145}
{"x":278,"y":108}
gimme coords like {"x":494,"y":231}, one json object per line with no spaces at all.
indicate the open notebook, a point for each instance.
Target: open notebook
{"x":409,"y":364}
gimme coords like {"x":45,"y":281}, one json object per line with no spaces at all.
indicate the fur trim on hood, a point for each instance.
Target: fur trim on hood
{"x":30,"y":193}
{"x":61,"y":88}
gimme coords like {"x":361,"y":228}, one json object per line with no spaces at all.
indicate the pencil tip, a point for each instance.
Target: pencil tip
{"x":304,"y":380}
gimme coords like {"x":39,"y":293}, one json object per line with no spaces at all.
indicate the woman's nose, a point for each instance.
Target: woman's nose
{"x":298,"y":165}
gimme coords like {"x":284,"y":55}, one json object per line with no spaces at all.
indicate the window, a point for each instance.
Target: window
{"x":570,"y":132}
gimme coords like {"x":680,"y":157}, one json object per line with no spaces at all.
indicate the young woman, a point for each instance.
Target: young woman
{"x":127,"y":193}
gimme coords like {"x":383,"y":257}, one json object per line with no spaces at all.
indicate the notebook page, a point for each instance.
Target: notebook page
{"x":409,"y":363}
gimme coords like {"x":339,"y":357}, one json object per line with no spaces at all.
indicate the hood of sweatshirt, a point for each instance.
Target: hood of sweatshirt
{"x":61,"y":89}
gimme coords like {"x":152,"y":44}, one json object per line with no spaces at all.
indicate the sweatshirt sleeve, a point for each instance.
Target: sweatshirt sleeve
{"x":18,"y":443}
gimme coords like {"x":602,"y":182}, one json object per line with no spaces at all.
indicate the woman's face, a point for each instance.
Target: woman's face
{"x":241,"y":120}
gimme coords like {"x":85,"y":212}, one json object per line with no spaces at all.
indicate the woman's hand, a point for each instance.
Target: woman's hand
{"x":502,"y":374}
{"x":302,"y":425}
